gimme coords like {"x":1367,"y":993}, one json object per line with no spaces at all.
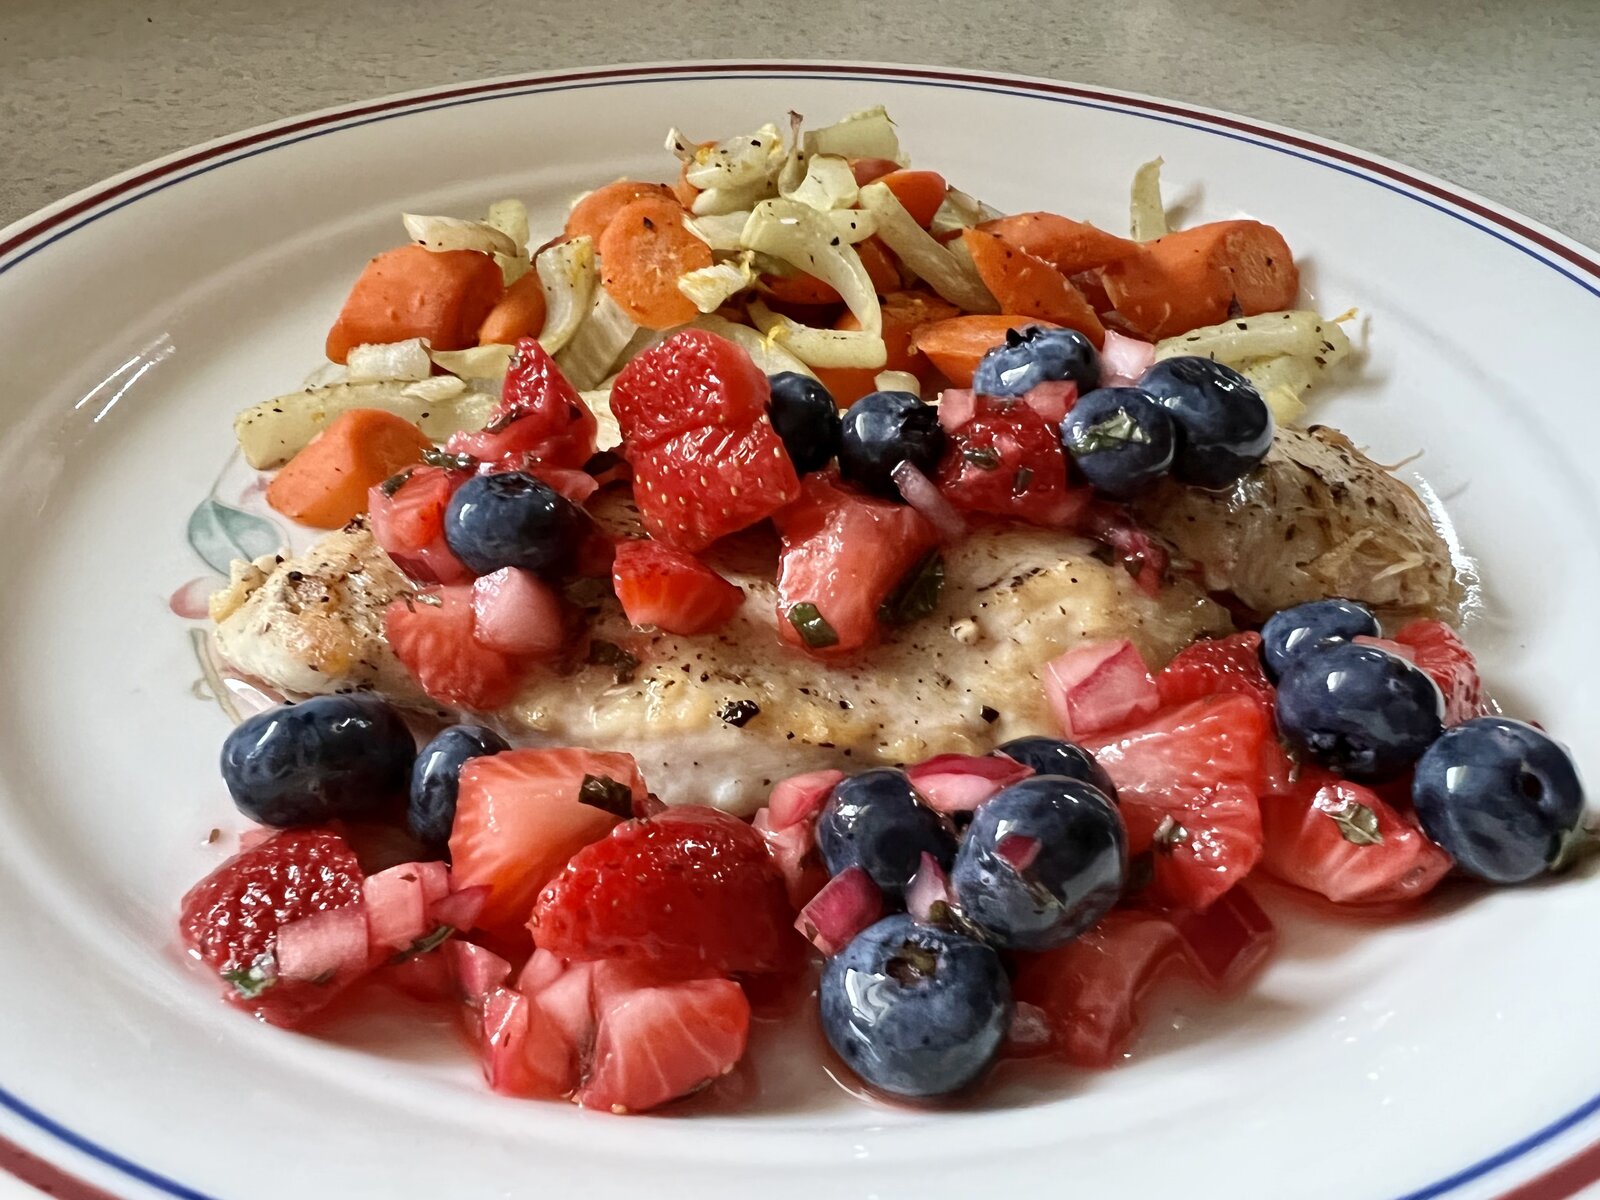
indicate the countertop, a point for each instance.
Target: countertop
{"x":1497,"y":97}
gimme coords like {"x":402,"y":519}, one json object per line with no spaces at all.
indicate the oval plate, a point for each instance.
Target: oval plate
{"x":1440,"y":1055}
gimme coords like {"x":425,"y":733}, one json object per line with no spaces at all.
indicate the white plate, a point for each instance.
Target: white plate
{"x":1448,"y":1055}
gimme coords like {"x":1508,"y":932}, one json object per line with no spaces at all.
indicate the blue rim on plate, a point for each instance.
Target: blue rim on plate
{"x":36,"y":234}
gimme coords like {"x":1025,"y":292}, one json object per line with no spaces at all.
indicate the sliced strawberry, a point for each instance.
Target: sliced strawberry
{"x":1439,"y":651}
{"x":704,"y":484}
{"x":432,"y":633}
{"x":520,"y":817}
{"x":539,"y":416}
{"x":1007,"y":460}
{"x":1201,"y":844}
{"x":691,"y":889}
{"x":231,"y":918}
{"x":843,"y":555}
{"x":692,"y":381}
{"x":407,"y":514}
{"x":1342,"y":841}
{"x":669,"y":588}
{"x":517,"y":614}
{"x":658,"y":1043}
{"x":524,"y":1053}
{"x":1216,"y":666}
{"x":1210,"y":742}
{"x":1089,"y":989}
{"x":1228,"y":942}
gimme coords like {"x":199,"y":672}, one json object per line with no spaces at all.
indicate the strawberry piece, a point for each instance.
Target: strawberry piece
{"x":1089,"y":989}
{"x":692,"y":381}
{"x":231,"y":918}
{"x":1228,"y":942}
{"x":658,"y":1043}
{"x":539,"y":417}
{"x":690,"y":889}
{"x":704,"y":484}
{"x":1099,"y":686}
{"x":407,"y":515}
{"x":669,"y":588}
{"x":1439,"y":651}
{"x":523,"y":1053}
{"x":843,"y":555}
{"x":1342,"y":841}
{"x":517,"y":614}
{"x":435,"y":640}
{"x":1217,"y":666}
{"x":1007,"y":460}
{"x":1201,"y":845}
{"x":519,"y":818}
{"x":1211,"y":742}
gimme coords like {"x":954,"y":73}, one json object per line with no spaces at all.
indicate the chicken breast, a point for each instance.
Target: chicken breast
{"x":313,"y":623}
{"x":1317,"y":518}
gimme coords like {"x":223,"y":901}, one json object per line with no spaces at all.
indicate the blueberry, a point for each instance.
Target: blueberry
{"x":1035,"y":355}
{"x":511,"y":519}
{"x":873,"y":820}
{"x":884,"y":429}
{"x":1359,"y":709}
{"x":915,"y":1010}
{"x":325,"y":758}
{"x":1307,"y":626}
{"x":806,"y":418}
{"x":1043,"y":860}
{"x":1500,"y":796}
{"x":1224,"y":426}
{"x":1121,"y":439}
{"x":436,"y":778}
{"x":1052,"y":756}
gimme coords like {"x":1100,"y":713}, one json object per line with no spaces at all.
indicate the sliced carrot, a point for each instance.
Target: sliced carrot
{"x":919,"y":192}
{"x":327,"y":482}
{"x":590,"y":216}
{"x":957,"y":345}
{"x":1202,"y":276}
{"x":869,"y":170}
{"x":643,"y":253}
{"x":801,"y":288}
{"x":411,"y":292}
{"x":903,"y":314}
{"x":519,"y":314}
{"x":1069,"y":246}
{"x":683,"y":189}
{"x":1029,"y":286}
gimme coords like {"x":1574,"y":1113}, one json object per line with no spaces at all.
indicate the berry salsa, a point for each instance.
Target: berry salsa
{"x":803,"y":348}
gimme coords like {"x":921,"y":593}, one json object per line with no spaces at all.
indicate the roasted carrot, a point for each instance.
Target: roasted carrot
{"x":1029,"y":286}
{"x":326,"y":483}
{"x":683,"y":189}
{"x":957,"y":345}
{"x":919,"y":192}
{"x":441,"y":295}
{"x":1069,"y":246}
{"x":903,"y":314}
{"x":801,"y":288}
{"x":519,"y":314}
{"x":643,"y":253}
{"x":1202,"y":276}
{"x":590,"y":215}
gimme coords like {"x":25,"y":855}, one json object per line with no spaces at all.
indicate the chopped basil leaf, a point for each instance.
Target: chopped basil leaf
{"x":1115,"y":432}
{"x":394,"y":483}
{"x":607,"y":794}
{"x":1169,"y":834}
{"x":425,"y":943}
{"x":609,"y":654}
{"x":1357,"y":823}
{"x":1020,"y":482}
{"x":917,"y":594}
{"x":812,"y":626}
{"x":985,"y":458}
{"x":251,"y":981}
{"x":739,"y":713}
{"x":434,"y":457}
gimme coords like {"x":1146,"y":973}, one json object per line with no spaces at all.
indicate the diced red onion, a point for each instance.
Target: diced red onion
{"x":846,"y":905}
{"x":435,"y":878}
{"x":800,"y":797}
{"x":1099,"y":686}
{"x":1052,"y":400}
{"x":1017,"y":851}
{"x":330,"y":944}
{"x":397,"y":909}
{"x":459,"y":910}
{"x":952,"y":783}
{"x":793,"y":851}
{"x":516,"y":612}
{"x":576,"y":486}
{"x":928,"y":887}
{"x":957,"y":406}
{"x":921,"y":494}
{"x":1228,"y":941}
{"x":539,"y":972}
{"x":1124,"y":360}
{"x":477,"y":971}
